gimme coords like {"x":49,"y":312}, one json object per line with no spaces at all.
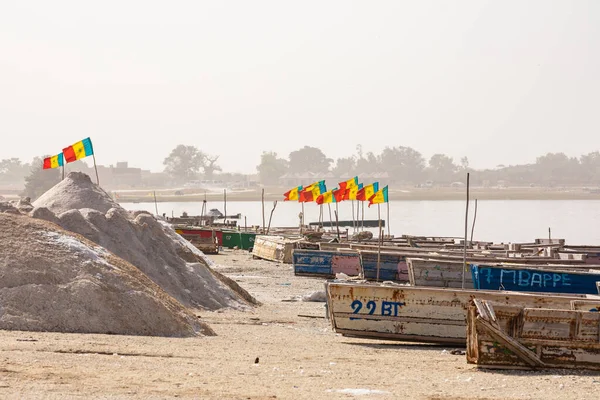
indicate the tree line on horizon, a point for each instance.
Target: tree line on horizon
{"x":402,"y":165}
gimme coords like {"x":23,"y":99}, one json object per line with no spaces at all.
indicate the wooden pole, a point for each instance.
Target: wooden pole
{"x":321,"y":215}
{"x":549,"y":235}
{"x":225,"y":206}
{"x":337,"y":222}
{"x":357,"y":215}
{"x":388,"y":218}
{"x":96,"y":168}
{"x":464,"y":269}
{"x":353,"y":223}
{"x":63,"y":171}
{"x":302,"y":219}
{"x":155,"y":203}
{"x":379,"y":241}
{"x":245,"y":224}
{"x":271,"y":216}
{"x":263,"y":208}
{"x":474,"y":219}
{"x":363,"y":215}
{"x":330,"y":218}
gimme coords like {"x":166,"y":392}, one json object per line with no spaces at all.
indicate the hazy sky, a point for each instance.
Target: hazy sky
{"x":497,"y":81}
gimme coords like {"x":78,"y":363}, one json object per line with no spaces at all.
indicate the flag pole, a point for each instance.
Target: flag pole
{"x":302,"y":219}
{"x":388,"y":217}
{"x":363,"y":215}
{"x":155,"y":203}
{"x":225,"y":207}
{"x":96,"y":169}
{"x":337,"y":222}
{"x":263,"y":209}
{"x":464,"y":268}
{"x":63,"y":170}
{"x":353,"y":224}
{"x":379,"y":241}
{"x":330,"y":219}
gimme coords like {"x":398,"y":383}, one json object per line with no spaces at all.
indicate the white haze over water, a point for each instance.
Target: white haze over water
{"x":501,"y":82}
{"x":497,"y":220}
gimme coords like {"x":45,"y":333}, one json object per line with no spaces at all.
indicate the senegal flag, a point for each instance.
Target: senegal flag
{"x":366,"y":192}
{"x":351,"y":193}
{"x":327,"y":197}
{"x":292,"y":194}
{"x":381,"y":196}
{"x":312,"y":191}
{"x":53,"y":162}
{"x":349,"y":183}
{"x":78,"y":150}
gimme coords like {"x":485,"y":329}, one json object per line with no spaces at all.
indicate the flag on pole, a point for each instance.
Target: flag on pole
{"x":54,"y":161}
{"x":351,"y":193}
{"x":366,"y":192}
{"x":292,"y":194}
{"x":78,"y":150}
{"x":349,"y":183}
{"x":312,"y":191}
{"x":327,"y":197}
{"x":340,"y":194}
{"x":381,"y":196}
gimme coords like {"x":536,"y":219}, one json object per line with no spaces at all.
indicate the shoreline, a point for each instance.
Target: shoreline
{"x":420,"y":195}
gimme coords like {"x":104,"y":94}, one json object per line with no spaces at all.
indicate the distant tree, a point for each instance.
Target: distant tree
{"x":403,"y":164}
{"x":271,"y":168}
{"x":442,"y":168}
{"x":366,"y":164}
{"x":12,"y":170}
{"x":590,"y":167}
{"x":184,"y":163}
{"x":554,"y":168}
{"x":309,"y":159}
{"x":40,"y":180}
{"x":209,"y":166}
{"x":464,"y":163}
{"x":344,"y":167}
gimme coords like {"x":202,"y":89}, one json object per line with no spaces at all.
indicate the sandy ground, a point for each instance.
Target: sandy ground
{"x":299,"y":357}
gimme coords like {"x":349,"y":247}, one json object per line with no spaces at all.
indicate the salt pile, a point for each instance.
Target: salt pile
{"x":54,"y":280}
{"x":79,"y":205}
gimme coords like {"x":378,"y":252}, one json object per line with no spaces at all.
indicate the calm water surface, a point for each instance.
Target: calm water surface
{"x":577,"y":221}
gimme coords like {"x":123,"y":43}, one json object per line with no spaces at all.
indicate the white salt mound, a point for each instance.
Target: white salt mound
{"x":54,"y":280}
{"x":137,"y":237}
{"x":74,"y":192}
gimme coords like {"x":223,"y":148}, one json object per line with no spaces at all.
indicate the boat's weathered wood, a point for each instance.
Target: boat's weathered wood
{"x":419,"y":313}
{"x":392,"y":266}
{"x":534,"y":338}
{"x":527,"y":279}
{"x":438,"y":273}
{"x":448,"y":273}
{"x":278,"y":248}
{"x":325,"y":263}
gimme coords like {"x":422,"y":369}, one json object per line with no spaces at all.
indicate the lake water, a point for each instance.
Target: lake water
{"x":577,"y":221}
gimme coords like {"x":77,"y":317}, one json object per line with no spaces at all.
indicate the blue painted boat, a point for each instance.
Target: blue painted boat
{"x":324,"y":263}
{"x":534,"y":280}
{"x":392,"y":266}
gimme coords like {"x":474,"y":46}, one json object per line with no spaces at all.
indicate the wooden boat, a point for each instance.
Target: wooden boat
{"x":438,"y":315}
{"x":204,"y":240}
{"x":591,"y":253}
{"x":500,"y":336}
{"x":438,"y":272}
{"x":547,"y":280}
{"x":368,"y":223}
{"x":325,"y":264}
{"x":279,"y":248}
